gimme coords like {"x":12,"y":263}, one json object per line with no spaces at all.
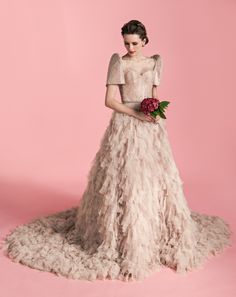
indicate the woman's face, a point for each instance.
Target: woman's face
{"x":133,"y":44}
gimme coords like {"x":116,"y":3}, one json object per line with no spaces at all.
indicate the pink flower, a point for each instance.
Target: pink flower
{"x":154,"y":107}
{"x":149,"y":104}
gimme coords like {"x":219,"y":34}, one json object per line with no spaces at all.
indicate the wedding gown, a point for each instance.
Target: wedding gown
{"x":133,"y":217}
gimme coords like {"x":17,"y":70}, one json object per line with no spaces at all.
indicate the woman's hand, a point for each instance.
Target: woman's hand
{"x":146,"y":117}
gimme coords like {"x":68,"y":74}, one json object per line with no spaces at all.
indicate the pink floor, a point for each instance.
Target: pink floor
{"x":216,"y":278}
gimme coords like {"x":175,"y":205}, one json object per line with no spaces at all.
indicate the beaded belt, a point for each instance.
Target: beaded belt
{"x":132,"y":101}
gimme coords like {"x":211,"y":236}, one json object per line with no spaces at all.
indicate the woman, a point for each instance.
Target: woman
{"x":133,"y":218}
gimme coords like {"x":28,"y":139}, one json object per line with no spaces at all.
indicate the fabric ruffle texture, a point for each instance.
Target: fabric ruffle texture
{"x":132,"y":220}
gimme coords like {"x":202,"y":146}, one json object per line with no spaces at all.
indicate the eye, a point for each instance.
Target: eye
{"x":134,"y":43}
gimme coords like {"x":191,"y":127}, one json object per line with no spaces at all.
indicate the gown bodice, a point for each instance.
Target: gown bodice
{"x":134,"y":78}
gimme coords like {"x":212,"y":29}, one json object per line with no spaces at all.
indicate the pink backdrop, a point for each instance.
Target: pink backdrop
{"x":54,"y":58}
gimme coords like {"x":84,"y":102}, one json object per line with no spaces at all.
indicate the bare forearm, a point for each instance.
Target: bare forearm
{"x":120,"y":107}
{"x":154,"y":92}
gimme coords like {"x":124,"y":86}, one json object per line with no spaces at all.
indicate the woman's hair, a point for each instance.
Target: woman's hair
{"x":135,"y":27}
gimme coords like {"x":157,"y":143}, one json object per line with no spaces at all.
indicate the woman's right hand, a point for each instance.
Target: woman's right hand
{"x":144,"y":117}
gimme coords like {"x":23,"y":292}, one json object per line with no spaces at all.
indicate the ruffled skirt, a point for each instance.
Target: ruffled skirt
{"x":132,"y":219}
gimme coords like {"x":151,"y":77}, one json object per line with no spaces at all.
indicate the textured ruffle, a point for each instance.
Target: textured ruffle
{"x":133,"y":217}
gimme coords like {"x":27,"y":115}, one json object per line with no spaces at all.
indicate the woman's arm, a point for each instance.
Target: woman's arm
{"x":154,"y":92}
{"x":112,"y":103}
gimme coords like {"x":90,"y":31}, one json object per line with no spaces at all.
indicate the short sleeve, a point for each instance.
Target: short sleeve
{"x":157,"y":69}
{"x":115,"y":73}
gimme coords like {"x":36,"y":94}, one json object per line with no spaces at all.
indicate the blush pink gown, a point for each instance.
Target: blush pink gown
{"x":133,"y":217}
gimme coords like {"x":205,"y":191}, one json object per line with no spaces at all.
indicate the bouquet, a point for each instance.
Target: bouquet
{"x":154,"y":107}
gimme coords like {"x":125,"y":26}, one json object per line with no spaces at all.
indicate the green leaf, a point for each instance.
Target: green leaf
{"x":162,"y":115}
{"x":163,"y":105}
{"x":161,"y":109}
{"x":154,"y":113}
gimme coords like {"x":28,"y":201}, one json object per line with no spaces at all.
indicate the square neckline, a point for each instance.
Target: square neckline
{"x":121,"y":58}
{"x":140,"y":73}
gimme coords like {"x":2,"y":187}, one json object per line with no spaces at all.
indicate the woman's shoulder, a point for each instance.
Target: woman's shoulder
{"x":115,"y":59}
{"x":115,"y":56}
{"x":157,"y":60}
{"x":155,"y":56}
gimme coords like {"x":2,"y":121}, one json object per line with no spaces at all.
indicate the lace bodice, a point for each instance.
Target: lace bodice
{"x":135,"y":78}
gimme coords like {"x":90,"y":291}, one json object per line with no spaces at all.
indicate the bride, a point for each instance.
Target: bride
{"x":133,"y":217}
